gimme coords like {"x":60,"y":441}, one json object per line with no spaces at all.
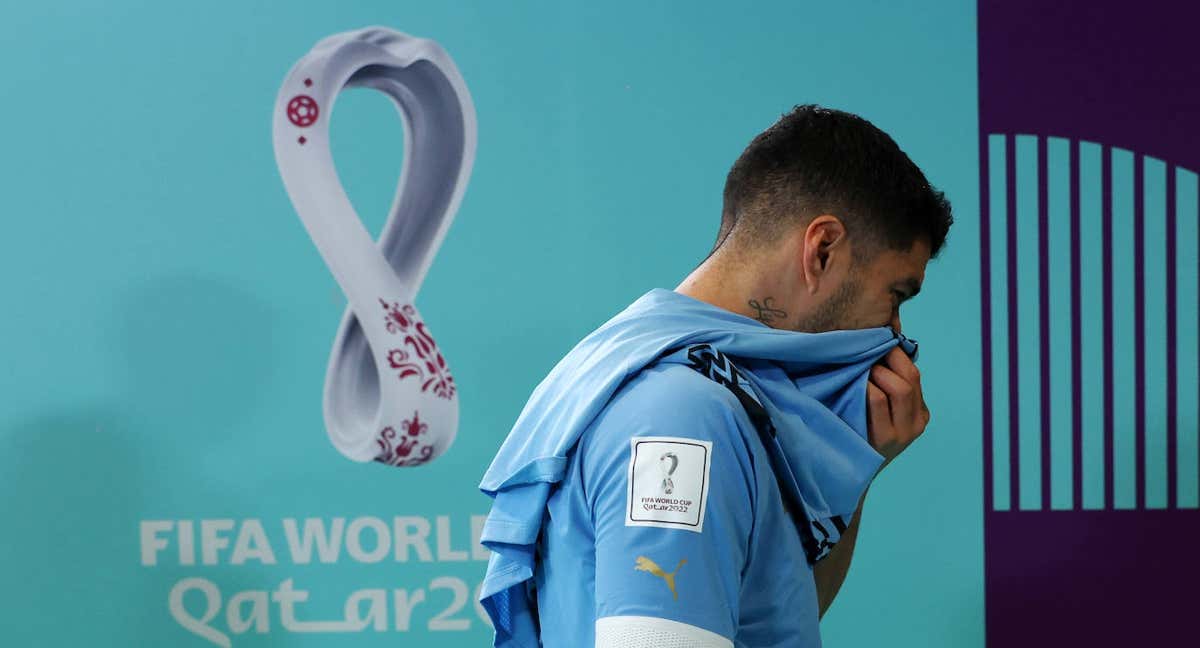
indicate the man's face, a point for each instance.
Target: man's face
{"x":872,"y":292}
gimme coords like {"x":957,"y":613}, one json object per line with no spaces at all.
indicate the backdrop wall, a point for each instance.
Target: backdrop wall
{"x":164,"y":472}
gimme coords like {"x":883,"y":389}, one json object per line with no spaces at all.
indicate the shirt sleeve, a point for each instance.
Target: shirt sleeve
{"x":654,"y":632}
{"x":670,"y":482}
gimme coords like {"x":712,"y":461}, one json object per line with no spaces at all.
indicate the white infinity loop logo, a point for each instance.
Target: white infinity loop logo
{"x":389,"y":395}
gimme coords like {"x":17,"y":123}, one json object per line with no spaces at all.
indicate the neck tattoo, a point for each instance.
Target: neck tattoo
{"x":766,"y":312}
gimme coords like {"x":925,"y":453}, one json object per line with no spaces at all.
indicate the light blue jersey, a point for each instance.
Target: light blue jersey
{"x":743,"y":575}
{"x":668,"y":442}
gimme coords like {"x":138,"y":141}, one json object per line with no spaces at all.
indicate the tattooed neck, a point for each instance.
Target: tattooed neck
{"x":766,"y":312}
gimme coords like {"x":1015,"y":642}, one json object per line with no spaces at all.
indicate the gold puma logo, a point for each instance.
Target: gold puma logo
{"x":645,"y":564}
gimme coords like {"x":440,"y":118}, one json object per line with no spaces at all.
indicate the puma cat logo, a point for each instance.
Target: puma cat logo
{"x":645,"y":564}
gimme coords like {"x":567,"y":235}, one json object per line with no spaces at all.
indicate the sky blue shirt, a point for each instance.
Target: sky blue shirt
{"x":745,"y":576}
{"x":807,"y":393}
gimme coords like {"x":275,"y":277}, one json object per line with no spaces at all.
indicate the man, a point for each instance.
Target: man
{"x":692,"y":474}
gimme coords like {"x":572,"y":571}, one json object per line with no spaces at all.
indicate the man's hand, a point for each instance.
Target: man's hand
{"x":896,"y":411}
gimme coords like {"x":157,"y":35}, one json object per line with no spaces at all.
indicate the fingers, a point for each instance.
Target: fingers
{"x":899,"y":362}
{"x":896,"y":409}
{"x":879,"y":417}
{"x":899,"y":392}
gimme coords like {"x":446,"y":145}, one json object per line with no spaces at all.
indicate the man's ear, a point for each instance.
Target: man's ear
{"x":825,"y":244}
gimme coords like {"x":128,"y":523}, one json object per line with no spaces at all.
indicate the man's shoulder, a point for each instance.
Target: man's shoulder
{"x":669,"y":399}
{"x":673,"y":388}
{"x":671,"y":427}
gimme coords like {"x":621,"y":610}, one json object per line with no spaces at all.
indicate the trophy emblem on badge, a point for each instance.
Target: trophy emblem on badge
{"x":667,"y":464}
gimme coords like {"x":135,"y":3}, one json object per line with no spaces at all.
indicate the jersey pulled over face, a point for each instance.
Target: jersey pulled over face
{"x":669,"y":525}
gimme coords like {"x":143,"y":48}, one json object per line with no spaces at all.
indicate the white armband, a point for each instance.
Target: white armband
{"x":653,"y":632}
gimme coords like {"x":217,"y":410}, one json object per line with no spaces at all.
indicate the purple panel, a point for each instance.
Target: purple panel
{"x":1014,"y":365}
{"x":985,"y":295}
{"x":1090,"y":578}
{"x":1124,"y":73}
{"x":1127,"y":75}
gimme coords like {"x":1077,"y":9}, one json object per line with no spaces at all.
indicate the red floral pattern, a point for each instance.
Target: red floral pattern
{"x":402,"y":453}
{"x":424,"y":362}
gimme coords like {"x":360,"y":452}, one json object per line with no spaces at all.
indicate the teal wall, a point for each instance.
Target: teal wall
{"x":168,"y":320}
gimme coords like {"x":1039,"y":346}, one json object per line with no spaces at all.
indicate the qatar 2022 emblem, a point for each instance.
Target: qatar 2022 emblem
{"x":389,"y":395}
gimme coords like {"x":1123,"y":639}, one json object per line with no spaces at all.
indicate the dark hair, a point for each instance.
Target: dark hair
{"x":817,"y":160}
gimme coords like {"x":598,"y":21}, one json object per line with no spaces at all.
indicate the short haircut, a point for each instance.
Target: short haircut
{"x":818,"y":160}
